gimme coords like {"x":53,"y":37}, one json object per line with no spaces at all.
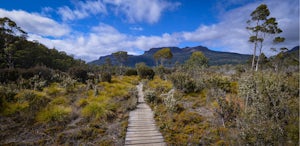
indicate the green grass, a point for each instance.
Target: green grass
{"x":54,"y":89}
{"x":54,"y":113}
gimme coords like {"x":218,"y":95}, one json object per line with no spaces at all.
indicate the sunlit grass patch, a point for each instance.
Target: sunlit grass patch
{"x":119,"y":87}
{"x":98,"y":110}
{"x":159,"y":84}
{"x":61,"y":100}
{"x":11,"y":108}
{"x":54,"y":113}
{"x":54,"y":89}
{"x":26,"y":101}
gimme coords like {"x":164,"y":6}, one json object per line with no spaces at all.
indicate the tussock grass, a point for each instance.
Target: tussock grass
{"x":119,"y":87}
{"x":12,"y":108}
{"x":26,"y":101}
{"x":54,"y":113}
{"x":54,"y":89}
{"x":160,"y":85}
{"x":104,"y":105}
{"x":61,"y":100}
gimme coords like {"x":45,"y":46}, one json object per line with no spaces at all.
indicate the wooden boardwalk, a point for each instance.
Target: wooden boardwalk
{"x":142,"y":130}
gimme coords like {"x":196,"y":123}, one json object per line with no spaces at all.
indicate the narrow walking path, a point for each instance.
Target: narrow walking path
{"x":141,"y":125}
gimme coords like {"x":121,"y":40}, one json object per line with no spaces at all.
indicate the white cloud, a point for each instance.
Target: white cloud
{"x":82,"y":10}
{"x":230,"y":33}
{"x":141,"y":10}
{"x":35,"y":23}
{"x":104,"y":40}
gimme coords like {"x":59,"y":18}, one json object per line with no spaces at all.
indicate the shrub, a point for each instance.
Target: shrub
{"x":144,"y":71}
{"x":183,"y":82}
{"x":269,"y":101}
{"x":160,"y":86}
{"x":106,"y":77}
{"x":150,"y":96}
{"x":42,"y":71}
{"x":161,"y":72}
{"x":217,"y":81}
{"x":7,"y":75}
{"x":79,"y":73}
{"x":131,"y":72}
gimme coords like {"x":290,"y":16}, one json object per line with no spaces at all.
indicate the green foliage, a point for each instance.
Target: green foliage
{"x":54,"y":90}
{"x":17,"y":52}
{"x":163,"y":54}
{"x":183,"y":82}
{"x":262,"y":26}
{"x":162,"y":72}
{"x":7,"y":75}
{"x":105,"y":77}
{"x":221,"y":82}
{"x":131,"y":72}
{"x":160,"y":86}
{"x":79,"y":73}
{"x":226,"y":110}
{"x":27,"y":102}
{"x":55,"y":113}
{"x":197,"y":60}
{"x":94,"y":110}
{"x":183,"y":128}
{"x":150,"y":96}
{"x":268,"y":109}
{"x":13,"y":108}
{"x":144,"y":71}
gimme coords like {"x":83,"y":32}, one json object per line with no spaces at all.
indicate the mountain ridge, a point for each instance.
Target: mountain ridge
{"x":180,"y":55}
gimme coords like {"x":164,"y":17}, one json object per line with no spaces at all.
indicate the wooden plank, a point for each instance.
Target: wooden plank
{"x":153,"y":144}
{"x":144,"y":137}
{"x":143,"y":134}
{"x":142,"y":129}
{"x":148,"y":141}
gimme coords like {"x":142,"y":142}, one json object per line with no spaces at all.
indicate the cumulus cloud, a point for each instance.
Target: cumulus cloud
{"x":104,"y":40}
{"x":141,"y":10}
{"x":35,"y":23}
{"x":133,"y":10}
{"x":82,"y":10}
{"x":230,"y":33}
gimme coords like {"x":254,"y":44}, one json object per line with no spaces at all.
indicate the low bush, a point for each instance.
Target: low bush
{"x":105,"y":77}
{"x":7,"y":75}
{"x":183,"y":82}
{"x":150,"y":96}
{"x":221,"y":82}
{"x":79,"y":73}
{"x":42,"y":71}
{"x":144,"y":71}
{"x":131,"y":72}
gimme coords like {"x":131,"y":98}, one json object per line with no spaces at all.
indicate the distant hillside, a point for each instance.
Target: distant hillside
{"x":180,"y":55}
{"x":292,"y":56}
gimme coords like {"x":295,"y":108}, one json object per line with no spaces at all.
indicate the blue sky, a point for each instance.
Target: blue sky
{"x":92,"y":28}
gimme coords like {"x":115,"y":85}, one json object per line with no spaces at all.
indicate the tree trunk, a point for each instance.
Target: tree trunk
{"x":254,"y":55}
{"x":258,"y":58}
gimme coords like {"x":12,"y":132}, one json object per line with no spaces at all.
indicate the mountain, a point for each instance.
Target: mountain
{"x":294,"y":50}
{"x":180,"y":55}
